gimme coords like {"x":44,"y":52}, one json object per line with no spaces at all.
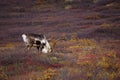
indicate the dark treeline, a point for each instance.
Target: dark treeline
{"x":77,"y":3}
{"x":59,"y":2}
{"x":104,"y":2}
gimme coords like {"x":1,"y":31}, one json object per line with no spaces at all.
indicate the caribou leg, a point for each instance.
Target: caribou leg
{"x":38,"y":48}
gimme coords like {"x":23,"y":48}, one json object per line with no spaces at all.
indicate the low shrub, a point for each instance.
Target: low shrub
{"x":3,"y":75}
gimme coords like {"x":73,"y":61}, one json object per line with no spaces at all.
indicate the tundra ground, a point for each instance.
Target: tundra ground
{"x":89,"y":50}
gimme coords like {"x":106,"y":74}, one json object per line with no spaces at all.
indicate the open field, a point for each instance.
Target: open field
{"x":90,"y":49}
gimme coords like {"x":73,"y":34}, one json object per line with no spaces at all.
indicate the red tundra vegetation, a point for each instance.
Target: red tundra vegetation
{"x":85,"y":39}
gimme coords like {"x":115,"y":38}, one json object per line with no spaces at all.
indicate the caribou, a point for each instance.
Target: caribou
{"x":37,"y":40}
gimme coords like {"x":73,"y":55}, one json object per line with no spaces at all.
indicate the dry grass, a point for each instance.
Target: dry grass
{"x":48,"y":74}
{"x":93,"y":17}
{"x":106,"y":26}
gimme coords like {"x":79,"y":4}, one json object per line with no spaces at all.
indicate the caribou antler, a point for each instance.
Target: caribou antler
{"x":53,"y":42}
